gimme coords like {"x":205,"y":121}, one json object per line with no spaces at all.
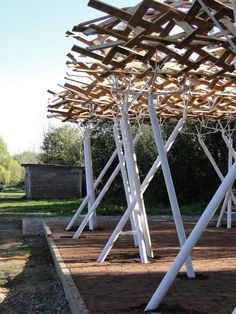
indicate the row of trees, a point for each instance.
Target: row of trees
{"x":10,"y":170}
{"x":194,"y":177}
{"x":61,"y":145}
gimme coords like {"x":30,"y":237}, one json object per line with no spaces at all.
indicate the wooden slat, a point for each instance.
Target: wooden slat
{"x":119,"y":13}
{"x":87,"y":53}
{"x":131,"y":42}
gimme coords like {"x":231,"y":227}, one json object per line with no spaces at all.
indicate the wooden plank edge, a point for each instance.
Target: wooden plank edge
{"x":76,"y":302}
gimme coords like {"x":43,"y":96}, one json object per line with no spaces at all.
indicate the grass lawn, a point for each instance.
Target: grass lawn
{"x":14,"y":203}
{"x":10,"y":192}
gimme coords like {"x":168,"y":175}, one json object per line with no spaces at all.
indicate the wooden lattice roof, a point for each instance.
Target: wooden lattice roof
{"x":184,"y":51}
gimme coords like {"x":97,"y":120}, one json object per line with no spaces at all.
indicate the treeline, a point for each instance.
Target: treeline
{"x":194,"y":178}
{"x":10,"y":170}
{"x":62,"y":145}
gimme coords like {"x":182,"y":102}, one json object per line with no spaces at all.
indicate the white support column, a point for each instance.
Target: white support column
{"x":220,"y":175}
{"x":135,"y":186}
{"x":144,"y":186}
{"x":96,"y":203}
{"x":192,"y":240}
{"x":218,"y":25}
{"x":89,"y":177}
{"x":231,"y":155}
{"x":124,"y":176}
{"x":209,"y":156}
{"x":228,"y":144}
{"x":222,"y":211}
{"x":78,"y":212}
{"x":100,"y":197}
{"x":106,"y":167}
{"x":129,"y":162}
{"x":96,"y":183}
{"x":229,"y":205}
{"x":168,"y":181}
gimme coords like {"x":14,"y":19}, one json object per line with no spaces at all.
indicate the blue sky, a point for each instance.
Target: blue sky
{"x":32,"y":60}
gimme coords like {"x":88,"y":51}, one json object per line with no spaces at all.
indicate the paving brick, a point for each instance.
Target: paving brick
{"x":123,"y":285}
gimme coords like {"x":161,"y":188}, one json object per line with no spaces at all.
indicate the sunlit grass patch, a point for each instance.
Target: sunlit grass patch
{"x":20,"y":206}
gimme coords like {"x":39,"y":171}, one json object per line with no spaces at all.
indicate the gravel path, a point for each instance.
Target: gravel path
{"x":28,"y":280}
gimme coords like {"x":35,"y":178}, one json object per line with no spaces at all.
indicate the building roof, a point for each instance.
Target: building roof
{"x":49,"y":166}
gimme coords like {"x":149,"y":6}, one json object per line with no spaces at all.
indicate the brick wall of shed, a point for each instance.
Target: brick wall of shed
{"x":53,"y":182}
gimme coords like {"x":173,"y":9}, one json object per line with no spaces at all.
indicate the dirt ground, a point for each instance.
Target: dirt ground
{"x":28,"y":281}
{"x":122,"y":285}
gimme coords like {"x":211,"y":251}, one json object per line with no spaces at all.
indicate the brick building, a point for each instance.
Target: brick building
{"x":52,"y":181}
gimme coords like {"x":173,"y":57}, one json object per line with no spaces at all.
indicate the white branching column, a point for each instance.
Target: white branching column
{"x":96,"y":183}
{"x":124,"y":176}
{"x":229,"y":195}
{"x":89,"y":176}
{"x":220,"y":175}
{"x":230,"y":162}
{"x":168,"y":181}
{"x":144,"y":186}
{"x":142,"y":229}
{"x":99,"y":198}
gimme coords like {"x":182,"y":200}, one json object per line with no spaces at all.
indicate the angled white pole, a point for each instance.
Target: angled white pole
{"x":234,"y":9}
{"x":218,"y":25}
{"x":96,"y":203}
{"x":222,"y":211}
{"x":122,"y":162}
{"x":168,"y":181}
{"x":135,"y":185}
{"x":192,"y":240}
{"x":96,"y":183}
{"x":228,"y":144}
{"x":106,"y":167}
{"x":231,"y":154}
{"x":220,"y":175}
{"x":77,"y":213}
{"x":144,"y":186}
{"x":209,"y":156}
{"x":124,"y":175}
{"x":229,"y":205}
{"x":89,"y":177}
{"x":99,"y":197}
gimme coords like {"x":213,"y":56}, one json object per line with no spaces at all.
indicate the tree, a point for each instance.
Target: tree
{"x":10,"y":170}
{"x":27,"y":157}
{"x":4,"y":175}
{"x":102,"y":145}
{"x":62,"y":145}
{"x":194,"y":177}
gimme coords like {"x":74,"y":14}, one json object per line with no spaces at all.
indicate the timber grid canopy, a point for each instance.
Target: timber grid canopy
{"x":183,"y":51}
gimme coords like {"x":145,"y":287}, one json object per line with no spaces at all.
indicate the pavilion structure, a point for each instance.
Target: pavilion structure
{"x":153,"y":63}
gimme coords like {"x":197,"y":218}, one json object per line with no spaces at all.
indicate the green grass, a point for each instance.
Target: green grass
{"x":38,"y":207}
{"x":50,"y":208}
{"x":11,"y":192}
{"x":13,"y":203}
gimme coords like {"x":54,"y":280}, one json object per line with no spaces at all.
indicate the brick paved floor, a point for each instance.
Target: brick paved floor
{"x":123,"y":285}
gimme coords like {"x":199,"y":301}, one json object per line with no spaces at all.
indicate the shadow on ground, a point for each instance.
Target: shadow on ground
{"x":123,"y":285}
